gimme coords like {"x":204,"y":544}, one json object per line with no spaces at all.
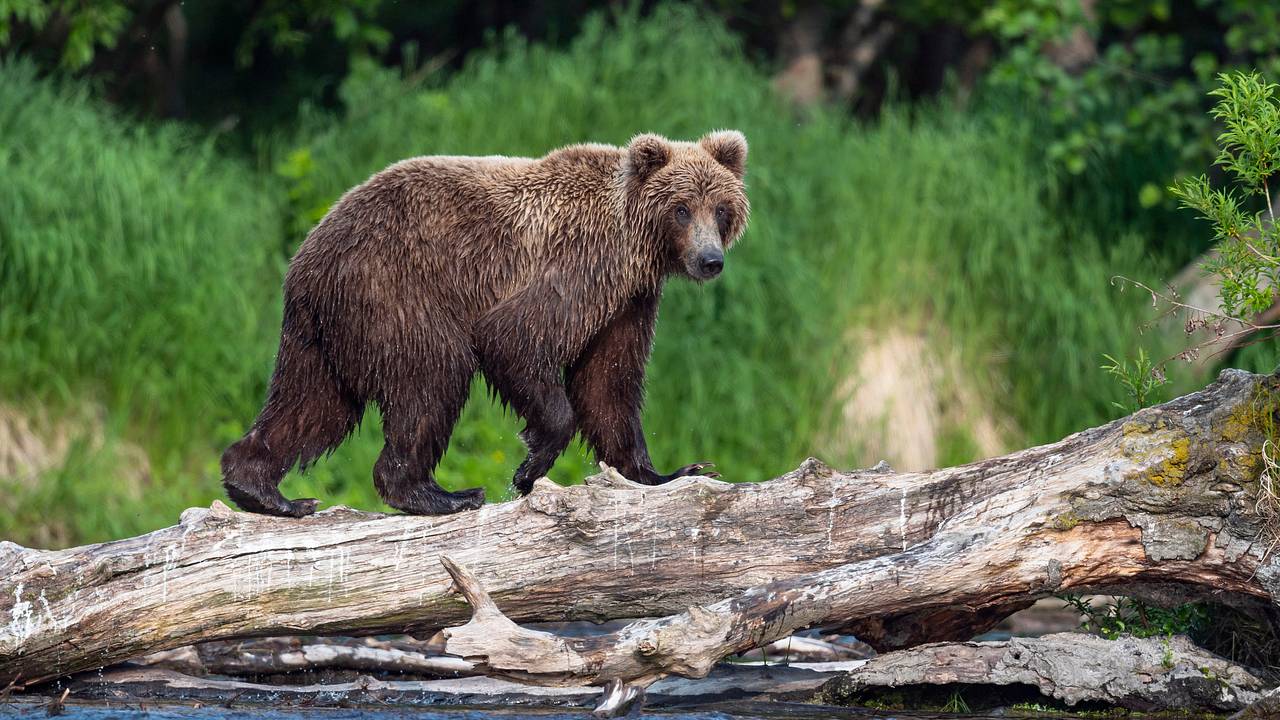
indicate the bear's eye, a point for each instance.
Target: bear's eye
{"x":722,"y":214}
{"x":682,"y":215}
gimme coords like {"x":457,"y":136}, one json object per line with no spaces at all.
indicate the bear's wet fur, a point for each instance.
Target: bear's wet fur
{"x":542,"y":274}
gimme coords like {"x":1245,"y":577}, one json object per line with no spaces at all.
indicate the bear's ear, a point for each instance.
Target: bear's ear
{"x":729,"y":148}
{"x":646,"y":154}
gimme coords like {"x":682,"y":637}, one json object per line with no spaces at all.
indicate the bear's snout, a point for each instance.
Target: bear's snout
{"x":709,"y":263}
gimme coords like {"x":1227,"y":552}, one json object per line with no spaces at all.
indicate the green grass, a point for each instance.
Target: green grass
{"x":136,"y":271}
{"x":145,"y":275}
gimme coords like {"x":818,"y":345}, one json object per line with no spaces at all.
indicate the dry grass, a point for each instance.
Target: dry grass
{"x":1267,"y":503}
{"x":912,"y":403}
{"x":25,"y":451}
{"x":36,"y":449}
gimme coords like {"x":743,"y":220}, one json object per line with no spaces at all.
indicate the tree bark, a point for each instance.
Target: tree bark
{"x":278,"y":656}
{"x":1144,"y":674}
{"x":1166,"y":497}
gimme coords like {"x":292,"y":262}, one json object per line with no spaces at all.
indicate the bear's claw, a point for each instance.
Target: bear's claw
{"x":693,"y":469}
{"x":302,"y":507}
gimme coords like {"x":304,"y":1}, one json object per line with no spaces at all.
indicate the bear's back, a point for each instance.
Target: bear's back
{"x":456,"y":232}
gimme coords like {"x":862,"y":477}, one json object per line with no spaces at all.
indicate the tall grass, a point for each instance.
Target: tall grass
{"x":136,"y":271}
{"x":929,"y":219}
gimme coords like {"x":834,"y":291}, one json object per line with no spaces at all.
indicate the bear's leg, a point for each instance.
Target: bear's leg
{"x":549,"y":427}
{"x":536,"y":392}
{"x":417,"y":419}
{"x":606,"y":387}
{"x":306,"y":414}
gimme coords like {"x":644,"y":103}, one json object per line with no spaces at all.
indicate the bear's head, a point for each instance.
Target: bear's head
{"x":690,"y":197}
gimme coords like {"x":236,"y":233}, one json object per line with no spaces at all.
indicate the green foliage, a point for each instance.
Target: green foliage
{"x":1135,"y":112}
{"x":297,"y":170}
{"x":1250,"y":113}
{"x":288,"y":26}
{"x":1166,"y":658}
{"x":1248,"y":244}
{"x":136,"y":270}
{"x":1140,"y":381}
{"x":1126,"y":616}
{"x":130,"y":258}
{"x":89,"y":24}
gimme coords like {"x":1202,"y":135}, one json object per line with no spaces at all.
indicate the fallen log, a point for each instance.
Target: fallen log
{"x":1266,"y":707}
{"x":136,"y":686}
{"x":1167,"y":497}
{"x":1143,"y":674}
{"x":279,"y":656}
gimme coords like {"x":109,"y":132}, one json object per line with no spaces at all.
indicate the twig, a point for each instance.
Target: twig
{"x":1267,"y":194}
{"x":1261,"y":255}
{"x":59,"y":706}
{"x":1249,"y":328}
{"x":12,"y":687}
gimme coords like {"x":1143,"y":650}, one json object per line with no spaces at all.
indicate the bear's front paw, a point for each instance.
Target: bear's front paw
{"x":698,"y":468}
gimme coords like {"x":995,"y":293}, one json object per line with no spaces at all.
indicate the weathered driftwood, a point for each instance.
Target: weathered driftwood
{"x":1166,"y":496}
{"x":810,"y":649}
{"x":133,"y":685}
{"x":1266,"y":707}
{"x":414,"y":659}
{"x":274,"y":656}
{"x":1150,"y":674}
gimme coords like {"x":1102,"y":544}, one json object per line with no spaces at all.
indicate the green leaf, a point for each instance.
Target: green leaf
{"x":1150,"y":195}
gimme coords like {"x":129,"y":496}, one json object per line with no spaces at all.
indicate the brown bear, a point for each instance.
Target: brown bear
{"x":542,"y":274}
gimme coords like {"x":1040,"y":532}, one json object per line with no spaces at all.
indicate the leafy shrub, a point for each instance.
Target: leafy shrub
{"x":1115,"y":617}
{"x":1247,"y":243}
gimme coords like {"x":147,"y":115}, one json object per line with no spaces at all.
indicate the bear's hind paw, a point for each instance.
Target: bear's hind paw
{"x":302,"y":507}
{"x":441,"y":502}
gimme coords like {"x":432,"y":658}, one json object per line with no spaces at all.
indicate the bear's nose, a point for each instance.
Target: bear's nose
{"x":710,"y":263}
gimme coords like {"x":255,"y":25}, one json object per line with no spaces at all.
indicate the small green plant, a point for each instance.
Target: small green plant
{"x":1127,"y":616}
{"x":956,"y":704}
{"x":1140,"y":380}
